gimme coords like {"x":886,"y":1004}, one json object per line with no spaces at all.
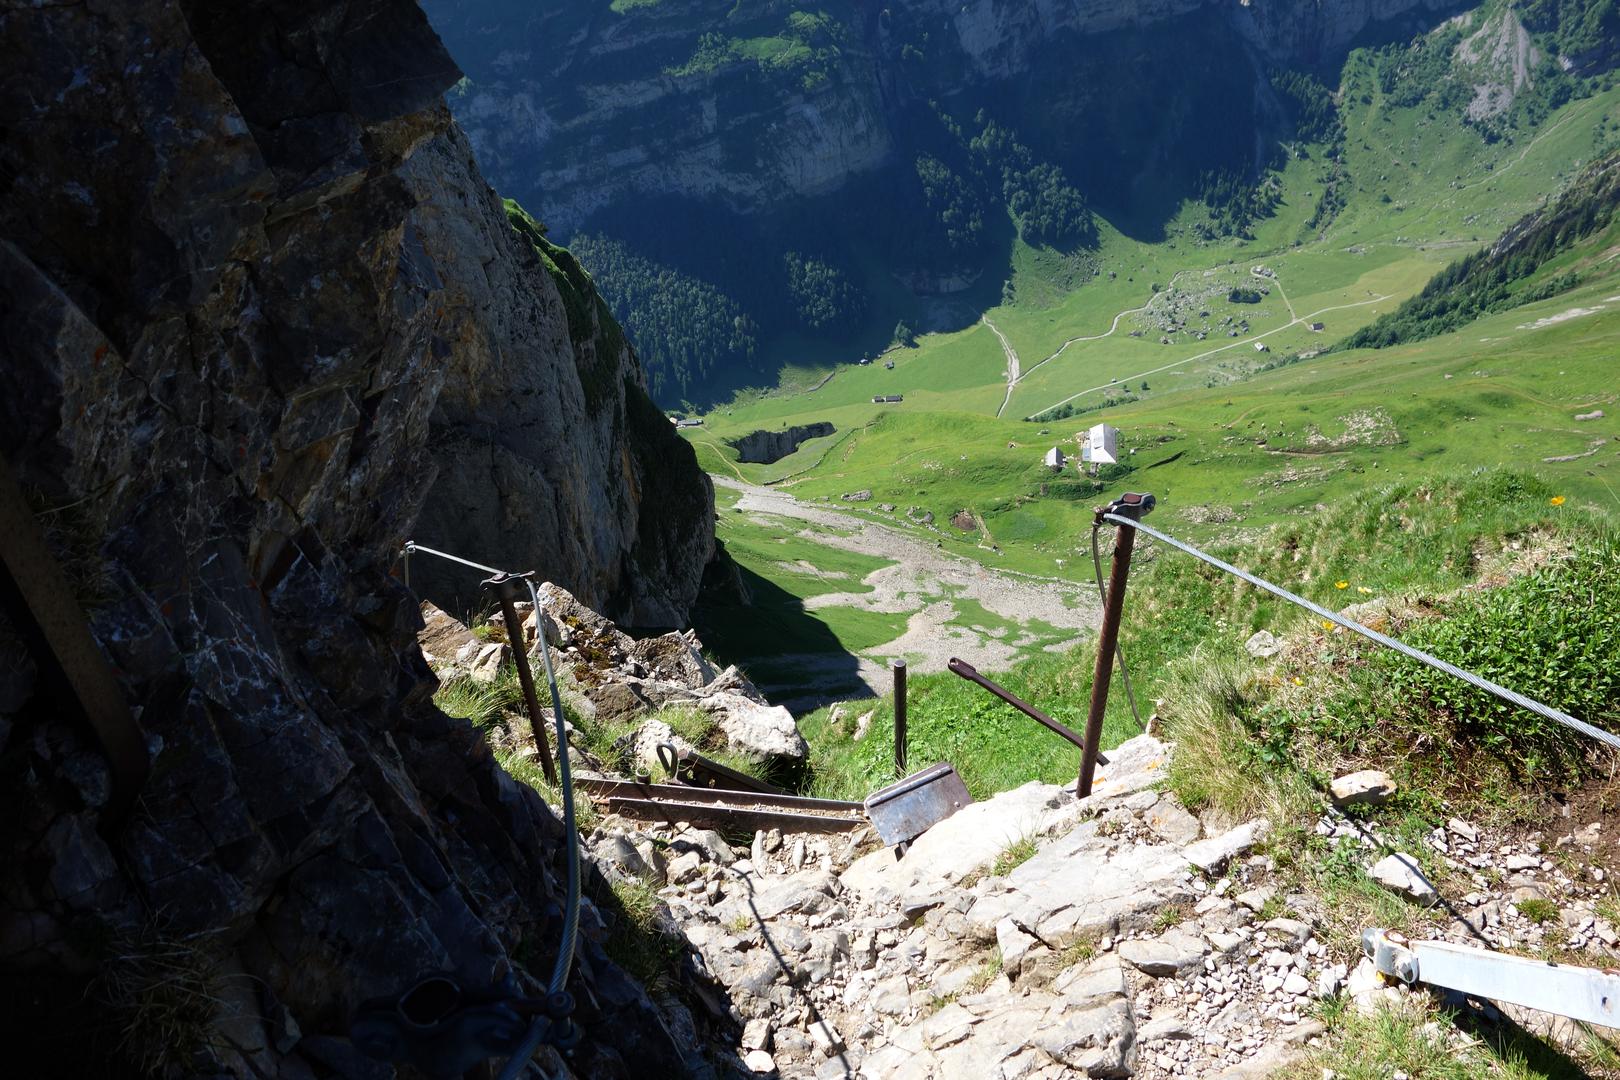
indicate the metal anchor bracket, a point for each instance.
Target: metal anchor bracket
{"x":1580,"y":993}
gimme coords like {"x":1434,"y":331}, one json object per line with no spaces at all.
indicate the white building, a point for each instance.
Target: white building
{"x":1055,"y":460}
{"x":1102,"y":444}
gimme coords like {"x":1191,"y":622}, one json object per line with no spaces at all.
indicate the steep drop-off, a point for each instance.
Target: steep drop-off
{"x":253,"y":296}
{"x":814,"y":172}
{"x":768,"y":446}
{"x":573,"y":106}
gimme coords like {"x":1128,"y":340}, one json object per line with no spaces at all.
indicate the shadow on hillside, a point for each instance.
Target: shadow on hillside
{"x":783,"y":647}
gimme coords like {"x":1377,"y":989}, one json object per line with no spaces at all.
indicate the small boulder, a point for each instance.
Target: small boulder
{"x":759,"y":1061}
{"x":619,"y":855}
{"x":1172,"y":954}
{"x":1399,"y":874}
{"x":1171,"y":823}
{"x":1366,"y":988}
{"x":1263,"y":644}
{"x":1370,"y":787}
{"x":442,"y":638}
{"x":1210,"y":855}
{"x":762,"y":732}
{"x":485,"y":662}
{"x":757,"y":1034}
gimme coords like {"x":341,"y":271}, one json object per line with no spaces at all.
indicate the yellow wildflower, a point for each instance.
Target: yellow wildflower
{"x":1326,"y":625}
{"x":1341,"y":584}
{"x":1557,"y":500}
{"x":1363,"y":590}
{"x":1298,"y":681}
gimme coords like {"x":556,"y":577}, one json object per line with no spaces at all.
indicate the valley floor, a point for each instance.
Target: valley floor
{"x":951,"y":605}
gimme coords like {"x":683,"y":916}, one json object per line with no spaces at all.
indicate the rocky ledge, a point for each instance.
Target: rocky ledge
{"x":1132,"y":940}
{"x":254,"y":295}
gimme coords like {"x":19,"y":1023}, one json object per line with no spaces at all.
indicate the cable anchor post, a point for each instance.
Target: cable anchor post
{"x":1133,"y":506}
{"x":506,"y":588}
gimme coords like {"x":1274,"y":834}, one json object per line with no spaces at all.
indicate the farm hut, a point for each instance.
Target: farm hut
{"x":1261,"y":346}
{"x":1055,"y":459}
{"x":1318,"y":327}
{"x":1102,"y":444}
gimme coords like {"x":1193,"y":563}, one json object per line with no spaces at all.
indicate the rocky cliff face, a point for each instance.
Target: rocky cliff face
{"x":573,"y":108}
{"x":566,"y":468}
{"x":253,"y":295}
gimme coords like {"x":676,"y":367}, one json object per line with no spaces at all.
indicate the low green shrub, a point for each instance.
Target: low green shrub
{"x":1553,"y":636}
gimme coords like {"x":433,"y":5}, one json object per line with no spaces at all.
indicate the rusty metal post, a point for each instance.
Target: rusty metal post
{"x":505,"y":587}
{"x":38,"y":600}
{"x":899,"y":717}
{"x":1108,"y":636}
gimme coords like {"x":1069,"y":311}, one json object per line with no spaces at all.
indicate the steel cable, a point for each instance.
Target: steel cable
{"x":1435,"y":662}
{"x":565,"y":956}
{"x":565,"y":952}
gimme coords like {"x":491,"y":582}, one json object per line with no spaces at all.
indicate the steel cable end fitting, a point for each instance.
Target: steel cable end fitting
{"x":1131,"y":504}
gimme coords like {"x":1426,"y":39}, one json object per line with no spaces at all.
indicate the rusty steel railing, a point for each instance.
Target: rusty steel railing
{"x":899,"y":667}
{"x":967,"y":671}
{"x":1127,"y":512}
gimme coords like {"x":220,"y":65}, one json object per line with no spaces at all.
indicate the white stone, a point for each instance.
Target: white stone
{"x":759,"y":1061}
{"x":1173,"y":954}
{"x":1210,"y":855}
{"x":826,"y":1037}
{"x":1372,"y":787}
{"x":1399,"y":873}
{"x":1263,"y":644}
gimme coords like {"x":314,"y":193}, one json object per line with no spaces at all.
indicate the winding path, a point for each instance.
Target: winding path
{"x":1212,"y":352}
{"x":1012,"y":360}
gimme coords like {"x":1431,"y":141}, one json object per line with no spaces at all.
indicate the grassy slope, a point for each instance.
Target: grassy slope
{"x":1503,"y":391}
{"x":1450,"y":192}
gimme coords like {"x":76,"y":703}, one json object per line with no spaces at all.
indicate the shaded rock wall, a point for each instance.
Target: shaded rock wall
{"x":764,"y":447}
{"x":575,"y":106}
{"x":566,"y":468}
{"x":251,"y":285}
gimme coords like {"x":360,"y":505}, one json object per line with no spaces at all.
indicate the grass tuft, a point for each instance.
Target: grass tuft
{"x":1416,"y":1039}
{"x":1013,"y":856}
{"x":164,"y":997}
{"x":989,"y":969}
{"x":1538,"y":910}
{"x":636,"y":941}
{"x":1081,"y":950}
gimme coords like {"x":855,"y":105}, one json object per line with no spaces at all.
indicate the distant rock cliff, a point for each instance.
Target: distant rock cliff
{"x":573,"y":106}
{"x":253,"y":296}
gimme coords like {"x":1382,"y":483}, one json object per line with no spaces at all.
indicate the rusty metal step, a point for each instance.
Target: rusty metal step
{"x":723,"y":808}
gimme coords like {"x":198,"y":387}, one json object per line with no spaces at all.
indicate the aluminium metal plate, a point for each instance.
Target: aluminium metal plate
{"x":910,"y":807}
{"x":1580,"y":993}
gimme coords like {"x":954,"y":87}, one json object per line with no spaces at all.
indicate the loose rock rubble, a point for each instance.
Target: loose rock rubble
{"x":603,"y":673}
{"x":1106,"y":953}
{"x":1136,"y":941}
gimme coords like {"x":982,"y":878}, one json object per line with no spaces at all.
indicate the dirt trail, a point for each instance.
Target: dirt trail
{"x":924,"y":583}
{"x":1012,"y":360}
{"x":1205,"y":355}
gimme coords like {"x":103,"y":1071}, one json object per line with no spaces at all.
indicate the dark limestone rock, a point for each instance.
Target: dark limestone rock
{"x":251,"y":285}
{"x":766,"y":446}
